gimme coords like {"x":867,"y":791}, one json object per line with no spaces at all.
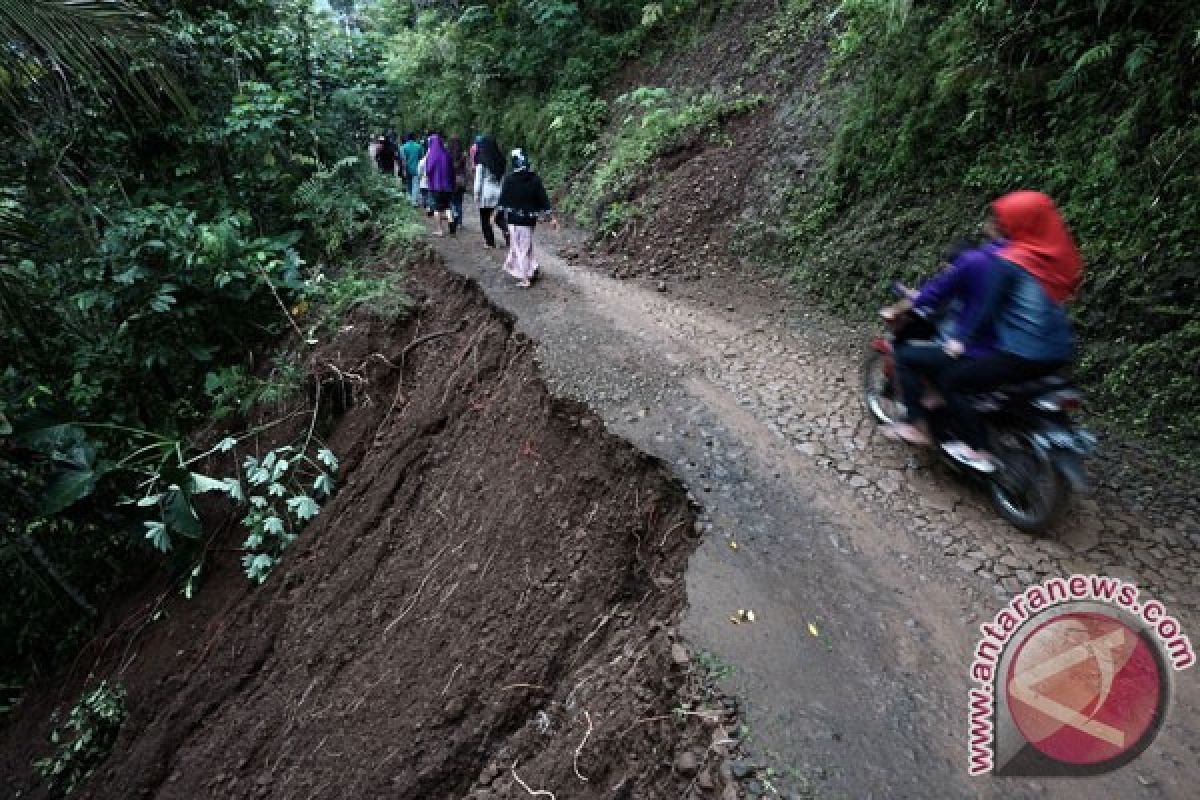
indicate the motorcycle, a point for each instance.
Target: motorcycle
{"x":1038,"y":447}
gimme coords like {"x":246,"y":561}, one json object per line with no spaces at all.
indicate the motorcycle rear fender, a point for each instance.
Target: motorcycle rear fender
{"x":1070,"y":466}
{"x":1068,"y":461}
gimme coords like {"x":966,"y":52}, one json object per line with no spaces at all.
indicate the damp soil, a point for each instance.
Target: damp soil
{"x":490,"y":599}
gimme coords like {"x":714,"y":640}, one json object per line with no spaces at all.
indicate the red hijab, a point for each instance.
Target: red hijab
{"x":1038,"y":240}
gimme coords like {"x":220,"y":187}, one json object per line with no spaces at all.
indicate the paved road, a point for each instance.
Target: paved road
{"x":814,"y":520}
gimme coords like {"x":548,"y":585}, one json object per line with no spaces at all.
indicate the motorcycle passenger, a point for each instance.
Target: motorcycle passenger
{"x":1036,"y":271}
{"x":957,"y":292}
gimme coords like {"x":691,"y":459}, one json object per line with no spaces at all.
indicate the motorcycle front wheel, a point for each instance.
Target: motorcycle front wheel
{"x":881,"y":395}
{"x":1027,"y":490}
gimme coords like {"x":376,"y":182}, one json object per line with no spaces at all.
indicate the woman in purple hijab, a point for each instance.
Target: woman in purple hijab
{"x":439,"y":168}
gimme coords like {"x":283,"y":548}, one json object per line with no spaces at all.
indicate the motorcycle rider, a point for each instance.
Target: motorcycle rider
{"x":957,"y":292}
{"x":1032,"y":275}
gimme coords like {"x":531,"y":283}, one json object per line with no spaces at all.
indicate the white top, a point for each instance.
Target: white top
{"x":487,"y":187}
{"x":424,"y":184}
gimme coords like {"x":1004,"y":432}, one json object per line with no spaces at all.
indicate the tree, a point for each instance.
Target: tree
{"x":100,"y":44}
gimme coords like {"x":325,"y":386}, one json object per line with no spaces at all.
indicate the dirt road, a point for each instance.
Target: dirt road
{"x":813,"y":520}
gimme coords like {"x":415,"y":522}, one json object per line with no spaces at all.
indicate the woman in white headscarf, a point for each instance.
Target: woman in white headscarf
{"x":523,"y":201}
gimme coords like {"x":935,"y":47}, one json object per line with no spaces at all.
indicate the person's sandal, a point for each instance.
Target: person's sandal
{"x":907,"y":433}
{"x":970,"y":459}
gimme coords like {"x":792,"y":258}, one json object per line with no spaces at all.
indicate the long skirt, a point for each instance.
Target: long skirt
{"x":521,"y":263}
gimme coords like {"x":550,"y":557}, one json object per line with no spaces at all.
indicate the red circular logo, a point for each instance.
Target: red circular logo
{"x":1084,"y":688}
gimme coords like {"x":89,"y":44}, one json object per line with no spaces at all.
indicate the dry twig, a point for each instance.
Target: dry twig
{"x":525,"y":786}
{"x":579,"y":749}
{"x":452,"y":674}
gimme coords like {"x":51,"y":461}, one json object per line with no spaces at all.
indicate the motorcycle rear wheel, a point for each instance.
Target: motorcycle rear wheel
{"x":881,"y":395}
{"x":1027,"y":491}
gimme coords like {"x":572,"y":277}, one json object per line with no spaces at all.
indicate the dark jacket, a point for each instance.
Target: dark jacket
{"x":385,"y":158}
{"x":523,"y":198}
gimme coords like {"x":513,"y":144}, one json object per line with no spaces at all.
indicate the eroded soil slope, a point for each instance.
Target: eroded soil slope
{"x":496,"y":584}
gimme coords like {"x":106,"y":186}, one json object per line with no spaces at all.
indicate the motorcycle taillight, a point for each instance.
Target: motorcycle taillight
{"x":1060,"y":401}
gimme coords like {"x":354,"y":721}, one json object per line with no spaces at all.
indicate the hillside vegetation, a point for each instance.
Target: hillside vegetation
{"x":919,"y":115}
{"x":177,"y":193}
{"x":945,"y":105}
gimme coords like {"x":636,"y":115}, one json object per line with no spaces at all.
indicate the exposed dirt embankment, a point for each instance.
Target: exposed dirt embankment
{"x":496,"y":584}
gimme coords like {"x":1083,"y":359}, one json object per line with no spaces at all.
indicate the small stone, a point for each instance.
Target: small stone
{"x":686,"y":763}
{"x":741,"y":768}
{"x":680,"y":656}
{"x":662,"y":286}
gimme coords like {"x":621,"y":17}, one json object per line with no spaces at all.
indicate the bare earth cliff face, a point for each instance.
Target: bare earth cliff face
{"x":491,"y":595}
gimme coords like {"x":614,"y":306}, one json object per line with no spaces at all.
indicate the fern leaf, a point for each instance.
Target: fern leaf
{"x":1094,"y":55}
{"x":1138,"y":59}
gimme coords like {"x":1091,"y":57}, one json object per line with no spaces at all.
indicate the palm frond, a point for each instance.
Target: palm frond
{"x":102,"y":44}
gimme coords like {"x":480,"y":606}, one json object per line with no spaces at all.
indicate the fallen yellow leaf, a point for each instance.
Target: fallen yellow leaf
{"x":813,"y":629}
{"x":733,"y":545}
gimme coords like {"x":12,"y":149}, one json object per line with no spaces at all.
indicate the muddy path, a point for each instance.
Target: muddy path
{"x":810,"y":518}
{"x":490,"y":600}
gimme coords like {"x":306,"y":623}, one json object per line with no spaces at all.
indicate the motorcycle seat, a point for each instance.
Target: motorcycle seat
{"x":1035,"y":387}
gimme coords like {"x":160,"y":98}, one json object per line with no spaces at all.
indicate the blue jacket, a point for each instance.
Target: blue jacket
{"x":1027,"y":322}
{"x":960,"y":290}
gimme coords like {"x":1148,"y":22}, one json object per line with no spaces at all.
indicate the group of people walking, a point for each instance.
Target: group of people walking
{"x":509,"y":194}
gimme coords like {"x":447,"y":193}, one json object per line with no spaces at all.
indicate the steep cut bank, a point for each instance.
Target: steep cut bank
{"x":491,"y":598}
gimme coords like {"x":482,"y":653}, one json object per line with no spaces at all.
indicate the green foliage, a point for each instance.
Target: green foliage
{"x":657,"y":123}
{"x":147,"y":256}
{"x":285,"y":489}
{"x":233,"y":391}
{"x":948,"y":105}
{"x":382,"y":296}
{"x":85,"y":740}
{"x":530,"y":72}
{"x":715,"y":668}
{"x":99,"y":44}
{"x":349,"y":201}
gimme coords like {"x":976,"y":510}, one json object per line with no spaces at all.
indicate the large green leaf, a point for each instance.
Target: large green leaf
{"x":75,"y":469}
{"x":53,"y":440}
{"x":68,"y":487}
{"x":179,"y":515}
